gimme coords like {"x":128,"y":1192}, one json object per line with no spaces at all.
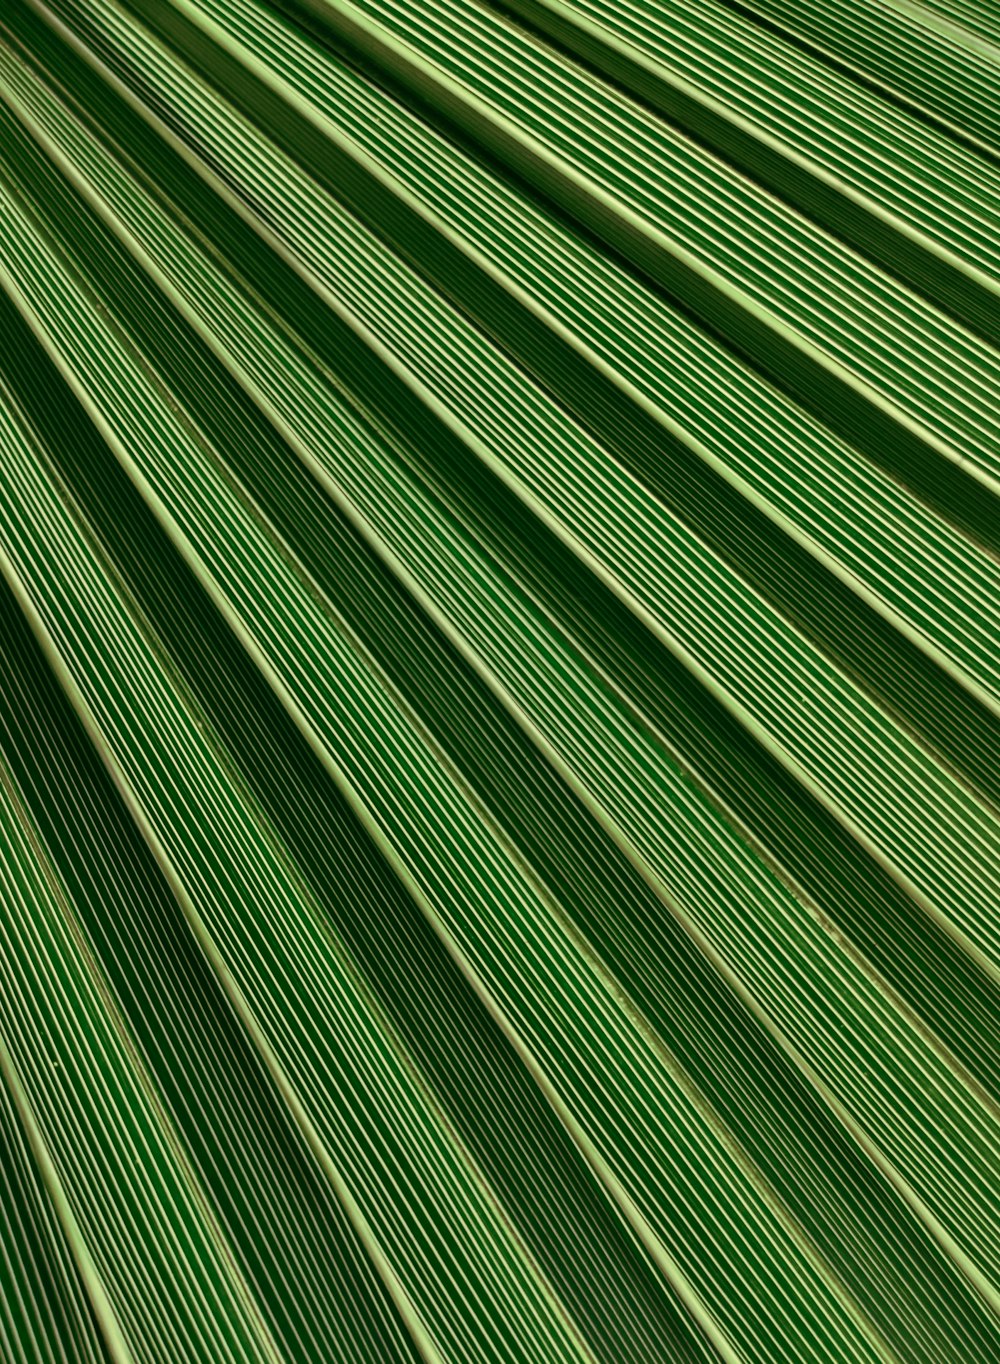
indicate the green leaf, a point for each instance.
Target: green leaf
{"x":499,"y":688}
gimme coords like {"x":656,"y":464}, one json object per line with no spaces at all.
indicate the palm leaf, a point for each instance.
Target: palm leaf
{"x":499,"y":702}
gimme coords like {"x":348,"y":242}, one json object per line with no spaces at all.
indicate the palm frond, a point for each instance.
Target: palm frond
{"x":499,"y":681}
